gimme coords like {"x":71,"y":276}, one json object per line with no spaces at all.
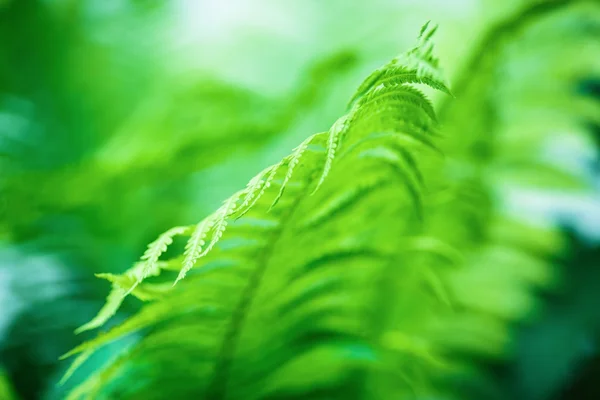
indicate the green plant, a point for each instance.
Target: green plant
{"x":380,"y":259}
{"x":337,"y":272}
{"x":331,"y":181}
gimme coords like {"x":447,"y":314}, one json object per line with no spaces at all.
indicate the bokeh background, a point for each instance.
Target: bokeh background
{"x":122,"y":118}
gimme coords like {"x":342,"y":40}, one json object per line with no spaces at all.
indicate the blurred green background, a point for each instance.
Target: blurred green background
{"x":122,"y":118}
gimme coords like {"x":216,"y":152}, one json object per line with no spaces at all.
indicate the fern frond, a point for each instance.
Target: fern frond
{"x":335,"y":134}
{"x":418,"y":65}
{"x":384,"y":94}
{"x":130,"y":282}
{"x":113,"y":302}
{"x":194,"y":246}
{"x":221,"y":218}
{"x":294,"y":160}
{"x":403,"y":170}
{"x":421,"y":57}
{"x":155,"y":250}
{"x":353,"y":281}
{"x":246,"y":265}
{"x":257,"y":188}
{"x":396,"y":74}
{"x":340,"y":202}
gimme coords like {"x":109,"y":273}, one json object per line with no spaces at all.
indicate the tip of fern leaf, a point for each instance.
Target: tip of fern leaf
{"x":424,"y":28}
{"x":88,"y":326}
{"x":74,"y":366}
{"x":276,"y":201}
{"x":68,"y":354}
{"x":81,"y":329}
{"x":431,"y":32}
{"x":318,"y":185}
{"x":179,"y":278}
{"x":241,"y":213}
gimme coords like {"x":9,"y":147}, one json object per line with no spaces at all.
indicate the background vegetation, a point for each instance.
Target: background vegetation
{"x":122,"y":119}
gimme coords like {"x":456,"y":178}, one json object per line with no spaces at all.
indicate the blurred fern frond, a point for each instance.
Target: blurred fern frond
{"x":393,"y":279}
{"x":379,"y":259}
{"x":274,"y":265}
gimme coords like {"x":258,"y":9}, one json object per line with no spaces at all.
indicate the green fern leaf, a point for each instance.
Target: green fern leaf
{"x":294,"y":160}
{"x":299,"y":219}
{"x":221,"y":218}
{"x":257,"y":188}
{"x":335,"y":133}
{"x":155,"y":250}
{"x":193,"y":248}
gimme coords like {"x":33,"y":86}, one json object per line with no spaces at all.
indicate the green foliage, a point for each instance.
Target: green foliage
{"x":6,"y":392}
{"x":376,"y":143}
{"x":322,"y":296}
{"x":394,"y":255}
